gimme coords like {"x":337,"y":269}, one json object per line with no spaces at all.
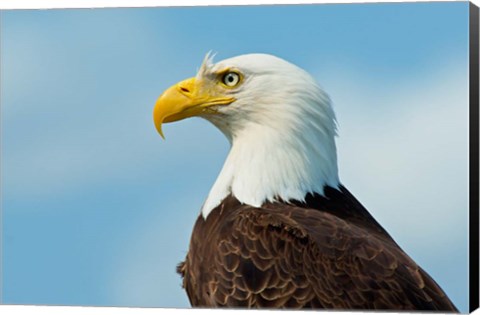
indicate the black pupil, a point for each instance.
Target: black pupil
{"x":230,"y":78}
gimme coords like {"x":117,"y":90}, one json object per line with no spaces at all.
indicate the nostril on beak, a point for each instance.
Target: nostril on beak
{"x":184,"y":89}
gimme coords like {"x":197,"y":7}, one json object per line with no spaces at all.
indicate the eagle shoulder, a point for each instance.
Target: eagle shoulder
{"x":284,"y":256}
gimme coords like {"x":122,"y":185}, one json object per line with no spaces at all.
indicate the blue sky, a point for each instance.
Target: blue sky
{"x":98,"y":209}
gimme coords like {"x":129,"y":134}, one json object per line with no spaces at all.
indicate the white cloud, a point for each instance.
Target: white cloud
{"x":405,"y":150}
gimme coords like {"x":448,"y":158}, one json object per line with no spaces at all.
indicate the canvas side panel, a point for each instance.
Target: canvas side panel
{"x":474,"y":160}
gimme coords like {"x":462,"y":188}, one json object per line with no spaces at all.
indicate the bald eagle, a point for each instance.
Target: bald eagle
{"x":278,"y":229}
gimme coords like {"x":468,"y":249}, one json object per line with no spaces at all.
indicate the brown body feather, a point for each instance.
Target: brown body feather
{"x":327,"y":252}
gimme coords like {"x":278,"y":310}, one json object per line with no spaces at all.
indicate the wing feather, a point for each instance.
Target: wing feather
{"x":284,"y":256}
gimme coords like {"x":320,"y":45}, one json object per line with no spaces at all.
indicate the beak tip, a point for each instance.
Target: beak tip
{"x":157,"y":121}
{"x":160,"y":131}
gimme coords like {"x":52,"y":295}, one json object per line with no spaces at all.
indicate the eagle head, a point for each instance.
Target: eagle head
{"x":280,"y":124}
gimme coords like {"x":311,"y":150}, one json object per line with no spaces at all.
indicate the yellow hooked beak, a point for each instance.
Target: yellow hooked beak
{"x":186,"y":99}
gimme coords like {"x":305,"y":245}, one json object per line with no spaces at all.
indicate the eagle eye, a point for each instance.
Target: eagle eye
{"x":231,"y":79}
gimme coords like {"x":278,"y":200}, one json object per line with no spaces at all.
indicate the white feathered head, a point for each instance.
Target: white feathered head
{"x":280,"y":124}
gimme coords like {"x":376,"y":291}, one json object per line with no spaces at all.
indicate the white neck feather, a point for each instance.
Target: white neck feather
{"x":284,"y":158}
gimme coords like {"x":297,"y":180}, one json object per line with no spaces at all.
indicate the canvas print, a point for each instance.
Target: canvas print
{"x":300,"y":156}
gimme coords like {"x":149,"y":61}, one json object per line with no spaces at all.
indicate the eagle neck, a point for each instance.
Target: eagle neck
{"x":268,"y":164}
